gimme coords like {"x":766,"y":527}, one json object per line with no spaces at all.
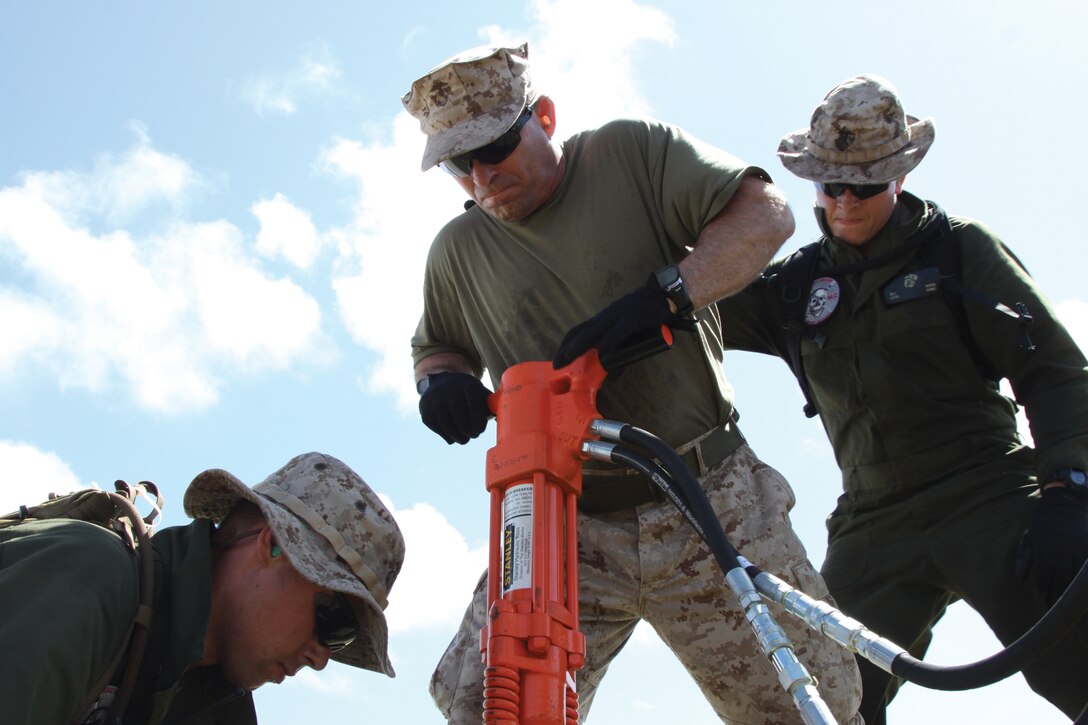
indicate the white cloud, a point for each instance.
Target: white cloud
{"x":582,"y":57}
{"x":816,"y":447}
{"x":279,"y":93}
{"x":1074,"y":315}
{"x":118,"y":187}
{"x":286,"y":231}
{"x":30,"y":475}
{"x":399,"y":210}
{"x":379,"y":273}
{"x":645,"y":636}
{"x":165,"y":314}
{"x":438,"y":559}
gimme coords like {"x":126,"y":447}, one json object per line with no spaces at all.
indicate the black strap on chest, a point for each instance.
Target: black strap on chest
{"x":937,"y":247}
{"x":792,"y":282}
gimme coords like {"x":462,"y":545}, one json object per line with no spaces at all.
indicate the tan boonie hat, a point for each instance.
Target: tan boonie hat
{"x":858,"y":135}
{"x":333,"y":529}
{"x":470,"y":100}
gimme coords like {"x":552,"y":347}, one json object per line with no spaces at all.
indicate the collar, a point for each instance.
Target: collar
{"x":176,"y":690}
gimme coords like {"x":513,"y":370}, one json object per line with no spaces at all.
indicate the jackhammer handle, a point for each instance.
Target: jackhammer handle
{"x":638,"y":347}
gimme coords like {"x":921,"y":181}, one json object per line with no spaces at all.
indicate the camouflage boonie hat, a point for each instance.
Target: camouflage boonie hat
{"x":470,"y":100}
{"x":333,"y":529}
{"x":858,"y":135}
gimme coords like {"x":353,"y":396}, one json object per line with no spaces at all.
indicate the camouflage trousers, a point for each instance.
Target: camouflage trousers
{"x":647,"y":563}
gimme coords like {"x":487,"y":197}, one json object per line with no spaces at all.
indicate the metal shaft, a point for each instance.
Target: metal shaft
{"x":792,"y":675}
{"x":824,"y":618}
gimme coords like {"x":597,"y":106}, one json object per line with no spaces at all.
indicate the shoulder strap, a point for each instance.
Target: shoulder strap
{"x":943,"y":250}
{"x":792,"y":282}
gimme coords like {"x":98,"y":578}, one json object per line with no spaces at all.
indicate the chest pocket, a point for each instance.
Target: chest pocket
{"x":921,"y":345}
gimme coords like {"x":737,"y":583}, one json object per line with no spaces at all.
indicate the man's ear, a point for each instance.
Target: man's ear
{"x":545,"y":111}
{"x":267,"y":549}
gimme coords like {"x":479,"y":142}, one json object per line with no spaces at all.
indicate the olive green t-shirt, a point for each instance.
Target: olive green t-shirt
{"x":634,"y":198}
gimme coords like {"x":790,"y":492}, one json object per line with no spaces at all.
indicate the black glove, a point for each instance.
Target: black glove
{"x":1055,"y":544}
{"x":454,"y":406}
{"x":640,"y":311}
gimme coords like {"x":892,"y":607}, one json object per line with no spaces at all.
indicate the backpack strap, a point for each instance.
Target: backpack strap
{"x":141,"y":626}
{"x":792,"y":282}
{"x":942,"y":250}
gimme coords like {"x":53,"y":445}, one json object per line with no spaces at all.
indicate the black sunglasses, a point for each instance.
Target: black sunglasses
{"x":493,"y":153}
{"x":860,"y":191}
{"x":334,"y":621}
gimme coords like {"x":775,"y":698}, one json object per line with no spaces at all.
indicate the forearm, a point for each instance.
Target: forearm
{"x":734,"y":247}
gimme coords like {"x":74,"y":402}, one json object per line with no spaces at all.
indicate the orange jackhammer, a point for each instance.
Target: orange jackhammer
{"x":547,"y":425}
{"x":531,"y":644}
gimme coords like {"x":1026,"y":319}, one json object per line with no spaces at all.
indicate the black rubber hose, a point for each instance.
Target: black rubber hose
{"x":710,"y":528}
{"x":1063,"y":616}
{"x":660,"y":478}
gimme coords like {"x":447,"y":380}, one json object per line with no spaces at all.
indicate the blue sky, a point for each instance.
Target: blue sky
{"x":213,"y":227}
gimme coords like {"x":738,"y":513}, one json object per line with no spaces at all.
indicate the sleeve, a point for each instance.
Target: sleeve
{"x":442,"y":326}
{"x":68,"y":594}
{"x":692,"y":181}
{"x":1051,"y":381}
{"x":750,"y":321}
{"x":697,"y":182}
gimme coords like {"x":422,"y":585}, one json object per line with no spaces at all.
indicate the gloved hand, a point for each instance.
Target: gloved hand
{"x":1055,"y":544}
{"x":454,"y":406}
{"x":643,"y":310}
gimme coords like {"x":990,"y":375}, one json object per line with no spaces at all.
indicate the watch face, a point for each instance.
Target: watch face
{"x":667,"y":277}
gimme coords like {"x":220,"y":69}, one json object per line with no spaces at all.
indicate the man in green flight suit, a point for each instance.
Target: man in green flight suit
{"x":267,"y":580}
{"x":898,"y":341}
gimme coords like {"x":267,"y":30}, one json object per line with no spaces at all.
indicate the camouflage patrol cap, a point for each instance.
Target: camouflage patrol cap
{"x":470,"y":100}
{"x":333,"y":529}
{"x":858,"y":135}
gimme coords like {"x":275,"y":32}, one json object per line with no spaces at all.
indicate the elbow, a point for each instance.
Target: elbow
{"x":788,"y":225}
{"x":783,"y":215}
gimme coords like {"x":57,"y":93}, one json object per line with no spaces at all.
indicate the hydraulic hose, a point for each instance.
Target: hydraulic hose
{"x":792,"y":674}
{"x":698,"y":509}
{"x":651,"y":470}
{"x":1061,"y":618}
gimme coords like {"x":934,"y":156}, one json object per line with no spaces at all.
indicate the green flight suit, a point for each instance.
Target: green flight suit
{"x":68,"y":596}
{"x":938,"y":487}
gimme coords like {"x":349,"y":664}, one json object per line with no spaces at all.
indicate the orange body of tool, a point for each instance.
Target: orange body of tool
{"x":531,"y":644}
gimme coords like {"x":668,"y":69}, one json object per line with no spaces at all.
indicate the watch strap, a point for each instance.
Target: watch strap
{"x":671,"y":282}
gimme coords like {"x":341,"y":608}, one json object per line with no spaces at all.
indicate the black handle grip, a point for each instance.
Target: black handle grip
{"x":638,"y":347}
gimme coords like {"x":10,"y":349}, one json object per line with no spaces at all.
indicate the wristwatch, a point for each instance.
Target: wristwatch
{"x":425,"y":382}
{"x":672,"y":284}
{"x":1072,"y":478}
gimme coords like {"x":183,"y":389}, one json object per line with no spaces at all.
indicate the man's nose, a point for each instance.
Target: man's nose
{"x":482,"y":173}
{"x":316,"y":656}
{"x":848,"y":199}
